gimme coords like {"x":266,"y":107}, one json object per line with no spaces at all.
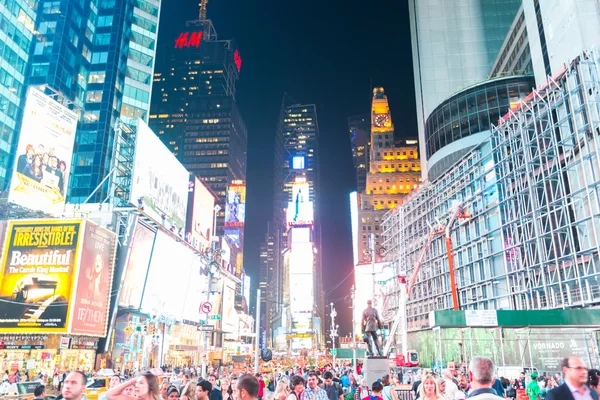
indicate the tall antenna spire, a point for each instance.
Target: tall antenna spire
{"x":203,"y":4}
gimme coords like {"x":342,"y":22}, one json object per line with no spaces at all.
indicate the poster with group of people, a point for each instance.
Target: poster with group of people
{"x":41,"y":171}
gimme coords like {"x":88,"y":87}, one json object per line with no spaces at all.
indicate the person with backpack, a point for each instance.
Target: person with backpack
{"x":376,"y":392}
{"x":334,"y":390}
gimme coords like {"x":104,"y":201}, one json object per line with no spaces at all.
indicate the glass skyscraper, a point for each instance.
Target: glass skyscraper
{"x":97,"y":58}
{"x":454,"y":44}
{"x":17,"y":26}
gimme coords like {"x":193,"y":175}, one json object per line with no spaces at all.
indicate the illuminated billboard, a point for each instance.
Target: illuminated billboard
{"x":300,"y":211}
{"x":201,"y":214}
{"x":354,"y":225}
{"x":235,"y":207}
{"x":363,"y":281}
{"x":229,"y":319}
{"x":137,"y":267}
{"x":38,"y":270}
{"x":298,"y":162}
{"x":160,"y":182}
{"x":44,"y":153}
{"x":90,"y":304}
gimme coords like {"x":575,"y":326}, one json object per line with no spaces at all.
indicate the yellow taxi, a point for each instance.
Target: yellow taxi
{"x":98,"y":384}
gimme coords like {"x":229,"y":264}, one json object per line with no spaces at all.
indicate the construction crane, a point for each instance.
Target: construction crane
{"x":411,"y":359}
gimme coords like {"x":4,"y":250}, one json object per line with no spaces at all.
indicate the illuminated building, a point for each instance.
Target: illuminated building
{"x":454,"y":44}
{"x":96,"y":58}
{"x":194,"y":111}
{"x":359,"y":127}
{"x":394,"y":171}
{"x":295,"y":210}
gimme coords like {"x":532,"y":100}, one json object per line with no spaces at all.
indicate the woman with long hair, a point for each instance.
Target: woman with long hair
{"x":172,"y":393}
{"x":389,"y":391}
{"x":226,"y":389}
{"x":188,"y":392}
{"x":282,"y":390}
{"x":34,"y":170}
{"x":146,"y":388}
{"x":429,"y":389}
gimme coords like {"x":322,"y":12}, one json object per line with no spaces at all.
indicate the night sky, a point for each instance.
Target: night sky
{"x":327,"y":52}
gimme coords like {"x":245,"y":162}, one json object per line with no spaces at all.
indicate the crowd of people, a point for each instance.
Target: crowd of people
{"x":480,"y":382}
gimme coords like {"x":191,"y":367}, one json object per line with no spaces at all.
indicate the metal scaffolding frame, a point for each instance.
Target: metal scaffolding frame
{"x":532,"y":189}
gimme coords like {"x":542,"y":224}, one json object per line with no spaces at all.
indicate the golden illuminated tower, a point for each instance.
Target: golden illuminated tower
{"x":394,"y":171}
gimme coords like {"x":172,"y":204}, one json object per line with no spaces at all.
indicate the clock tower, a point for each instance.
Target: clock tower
{"x":382,"y":129}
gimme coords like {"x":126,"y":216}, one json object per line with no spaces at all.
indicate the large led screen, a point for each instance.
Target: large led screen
{"x":300,"y":210}
{"x":44,"y":153}
{"x":235,"y":208}
{"x":168,"y":277}
{"x":92,"y":296}
{"x":201,"y":215}
{"x":38,"y":269}
{"x":137,"y":267}
{"x":229,"y":318}
{"x":159,"y":179}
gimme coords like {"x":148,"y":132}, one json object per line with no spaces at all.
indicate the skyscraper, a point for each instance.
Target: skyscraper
{"x":454,"y":43}
{"x":98,"y":58}
{"x":295,"y":230}
{"x":359,"y":127}
{"x":194,"y":110}
{"x":16,"y":36}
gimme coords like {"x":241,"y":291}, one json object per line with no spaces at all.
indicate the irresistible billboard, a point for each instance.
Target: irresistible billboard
{"x":44,"y":153}
{"x":235,"y":208}
{"x":160,"y":182}
{"x":200,"y":218}
{"x":89,"y":314}
{"x":36,"y":281}
{"x":137,"y":267}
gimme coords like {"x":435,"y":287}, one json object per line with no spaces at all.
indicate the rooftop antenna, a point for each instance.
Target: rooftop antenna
{"x":203,"y":4}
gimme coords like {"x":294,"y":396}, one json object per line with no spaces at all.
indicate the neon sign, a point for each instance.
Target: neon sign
{"x":188,"y":39}
{"x":237,"y":60}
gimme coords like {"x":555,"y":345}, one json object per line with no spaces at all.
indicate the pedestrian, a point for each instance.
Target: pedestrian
{"x":39,"y":392}
{"x":451,"y":387}
{"x":481,"y":375}
{"x":146,"y":388}
{"x":188,"y":392}
{"x":429,"y":389}
{"x":226,"y":389}
{"x":313,"y":391}
{"x":73,"y":386}
{"x":261,"y":386}
{"x":172,"y":393}
{"x":282,"y":390}
{"x":164,"y":388}
{"x":203,"y":390}
{"x":376,"y":392}
{"x":593,"y":378}
{"x":463,"y":384}
{"x":533,"y":388}
{"x":389,"y":391}
{"x":333,"y":389}
{"x":297,"y":387}
{"x":247,"y":387}
{"x":55,"y":381}
{"x":363,"y":390}
{"x":215,"y":393}
{"x":575,"y":386}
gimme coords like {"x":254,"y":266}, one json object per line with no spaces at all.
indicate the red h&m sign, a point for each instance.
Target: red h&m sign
{"x":188,"y":39}
{"x":237,"y":60}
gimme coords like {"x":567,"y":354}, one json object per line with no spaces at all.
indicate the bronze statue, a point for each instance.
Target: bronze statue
{"x":370,"y":323}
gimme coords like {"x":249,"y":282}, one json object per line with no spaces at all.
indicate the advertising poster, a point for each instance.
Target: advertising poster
{"x":38,"y":268}
{"x":44,"y":153}
{"x":230,"y":320}
{"x":160,"y":182}
{"x":300,"y":210}
{"x":200,"y":214}
{"x":2,"y":235}
{"x":235,"y":208}
{"x":92,"y":294}
{"x":137,"y":267}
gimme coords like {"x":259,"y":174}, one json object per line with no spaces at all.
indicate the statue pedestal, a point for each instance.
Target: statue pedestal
{"x":375,"y":367}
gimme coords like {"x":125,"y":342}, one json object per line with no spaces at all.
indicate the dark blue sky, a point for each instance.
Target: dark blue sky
{"x":327,"y":52}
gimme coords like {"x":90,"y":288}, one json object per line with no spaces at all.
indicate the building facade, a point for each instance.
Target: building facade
{"x":17,"y":29}
{"x":194,"y":111}
{"x":454,"y":44}
{"x":359,"y":127}
{"x":97,"y":58}
{"x":530,"y":241}
{"x":393,"y":172}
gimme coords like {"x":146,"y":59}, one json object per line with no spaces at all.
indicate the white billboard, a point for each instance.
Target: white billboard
{"x":159,"y":179}
{"x":45,"y":150}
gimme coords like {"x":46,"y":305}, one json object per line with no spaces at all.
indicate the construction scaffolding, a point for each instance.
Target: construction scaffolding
{"x":532,"y":191}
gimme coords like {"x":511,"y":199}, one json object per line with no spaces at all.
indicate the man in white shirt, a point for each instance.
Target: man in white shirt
{"x":451,"y":388}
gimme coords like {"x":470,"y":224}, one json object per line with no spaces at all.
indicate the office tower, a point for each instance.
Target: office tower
{"x":359,"y":127}
{"x":16,"y":36}
{"x":454,"y":43}
{"x":514,"y":57}
{"x":194,"y":111}
{"x":294,"y":322}
{"x":97,"y":58}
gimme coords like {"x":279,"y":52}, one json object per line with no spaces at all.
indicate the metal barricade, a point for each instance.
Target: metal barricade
{"x":405,"y":394}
